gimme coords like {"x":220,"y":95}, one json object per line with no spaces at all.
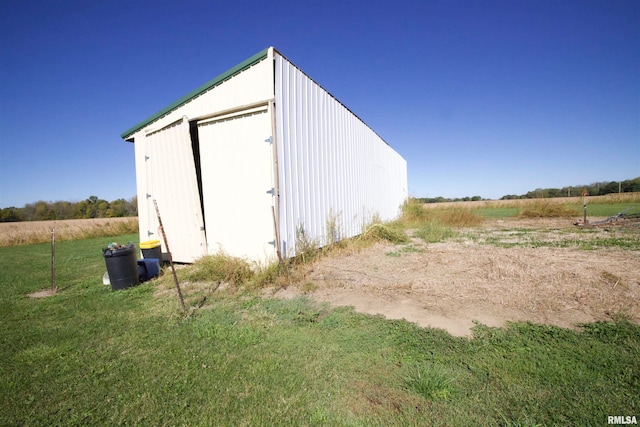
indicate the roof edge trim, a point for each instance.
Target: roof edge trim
{"x":198,"y":91}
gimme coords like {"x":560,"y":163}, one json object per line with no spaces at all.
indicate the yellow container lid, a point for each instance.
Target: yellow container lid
{"x":149,"y":244}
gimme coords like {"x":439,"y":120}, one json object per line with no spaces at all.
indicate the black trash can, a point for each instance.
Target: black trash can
{"x":122,"y":266}
{"x":151,"y":249}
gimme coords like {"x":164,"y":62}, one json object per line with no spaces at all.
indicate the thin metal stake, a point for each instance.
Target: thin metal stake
{"x":173,"y":269}
{"x":53,"y":260}
{"x":584,"y":205}
{"x":275,"y":231}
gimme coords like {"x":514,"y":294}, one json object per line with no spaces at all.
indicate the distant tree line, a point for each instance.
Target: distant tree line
{"x":595,"y":189}
{"x":93,"y":207}
{"x":444,"y":199}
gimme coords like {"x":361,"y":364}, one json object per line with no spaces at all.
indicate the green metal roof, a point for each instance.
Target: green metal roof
{"x":198,"y":91}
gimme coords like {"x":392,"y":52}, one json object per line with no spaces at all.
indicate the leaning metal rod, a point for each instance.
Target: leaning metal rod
{"x":173,"y":269}
{"x":53,"y":260}
{"x":275,"y":231}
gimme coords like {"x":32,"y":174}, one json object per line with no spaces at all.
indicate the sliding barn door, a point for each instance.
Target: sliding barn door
{"x":237,"y":180}
{"x":167,"y":174}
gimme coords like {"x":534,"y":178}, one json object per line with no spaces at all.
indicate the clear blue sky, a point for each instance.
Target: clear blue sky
{"x":481,"y":97}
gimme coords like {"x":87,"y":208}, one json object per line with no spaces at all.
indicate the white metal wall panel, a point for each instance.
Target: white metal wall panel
{"x":332,"y":166}
{"x":145,"y":225}
{"x":166,"y":172}
{"x":237,"y":173}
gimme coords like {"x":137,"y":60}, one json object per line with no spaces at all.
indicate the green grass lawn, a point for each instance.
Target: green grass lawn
{"x":497,"y":212}
{"x":608,"y":209}
{"x":92,"y":356}
{"x":593,"y":209}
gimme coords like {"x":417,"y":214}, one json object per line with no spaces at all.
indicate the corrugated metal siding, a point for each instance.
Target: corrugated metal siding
{"x":166,"y":172}
{"x":237,"y":173}
{"x":332,"y":166}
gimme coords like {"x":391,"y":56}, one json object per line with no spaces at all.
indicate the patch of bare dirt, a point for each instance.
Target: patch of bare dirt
{"x":42,"y":294}
{"x":451,"y":285}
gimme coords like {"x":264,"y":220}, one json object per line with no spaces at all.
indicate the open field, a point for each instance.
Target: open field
{"x":597,"y":206}
{"x":572,"y":201}
{"x":27,"y":232}
{"x":494,"y":335}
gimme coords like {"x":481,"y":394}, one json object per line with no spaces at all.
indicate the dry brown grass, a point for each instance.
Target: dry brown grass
{"x":445,"y":214}
{"x":29,"y":232}
{"x":544,"y":208}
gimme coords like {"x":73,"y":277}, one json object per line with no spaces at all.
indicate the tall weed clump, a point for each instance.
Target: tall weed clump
{"x":307,"y":248}
{"x":431,"y":382}
{"x":414,"y":214}
{"x":381,"y":232}
{"x":333,"y":228}
{"x":435,"y":224}
{"x":433,"y":232}
{"x":460,"y":217}
{"x":544,"y":208}
{"x":220,"y":267}
{"x":235,"y":272}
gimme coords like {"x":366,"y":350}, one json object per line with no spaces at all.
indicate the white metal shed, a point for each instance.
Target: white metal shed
{"x":257,"y":156}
